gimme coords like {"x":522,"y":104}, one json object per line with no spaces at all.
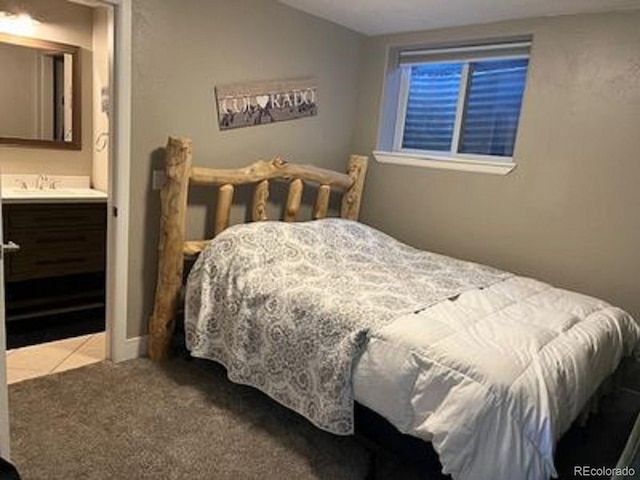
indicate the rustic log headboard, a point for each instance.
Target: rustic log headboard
{"x":179,"y":174}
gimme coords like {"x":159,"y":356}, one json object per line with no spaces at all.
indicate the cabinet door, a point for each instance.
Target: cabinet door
{"x":56,"y":240}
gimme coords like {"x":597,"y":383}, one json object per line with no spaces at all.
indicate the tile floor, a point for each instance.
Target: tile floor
{"x":51,"y":357}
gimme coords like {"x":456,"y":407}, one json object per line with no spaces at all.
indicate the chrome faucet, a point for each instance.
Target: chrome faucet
{"x":40,"y":182}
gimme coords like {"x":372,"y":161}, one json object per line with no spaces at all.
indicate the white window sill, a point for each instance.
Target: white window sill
{"x":444,"y":162}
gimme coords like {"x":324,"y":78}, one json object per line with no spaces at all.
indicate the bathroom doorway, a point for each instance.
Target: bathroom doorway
{"x":118,"y":346}
{"x":82,"y":328}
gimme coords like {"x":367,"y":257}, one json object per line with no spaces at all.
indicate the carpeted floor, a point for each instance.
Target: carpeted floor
{"x":185,"y":420}
{"x":182,"y":420}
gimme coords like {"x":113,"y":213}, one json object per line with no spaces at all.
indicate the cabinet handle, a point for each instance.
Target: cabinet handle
{"x":10,"y":247}
{"x":6,"y":248}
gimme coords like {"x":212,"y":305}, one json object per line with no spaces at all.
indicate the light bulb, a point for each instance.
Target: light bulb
{"x":20,"y":24}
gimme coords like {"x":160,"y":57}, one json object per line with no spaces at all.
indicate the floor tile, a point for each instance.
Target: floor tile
{"x":92,"y":351}
{"x":67,"y":344}
{"x":76,"y":360}
{"x":15,"y":375}
{"x":38,"y":357}
{"x":94,"y":347}
{"x":39,"y":360}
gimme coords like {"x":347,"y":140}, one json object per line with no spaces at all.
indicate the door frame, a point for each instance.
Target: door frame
{"x":119,"y":347}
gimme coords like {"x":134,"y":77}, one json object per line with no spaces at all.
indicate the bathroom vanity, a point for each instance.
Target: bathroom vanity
{"x":55,"y":239}
{"x":60,"y":266}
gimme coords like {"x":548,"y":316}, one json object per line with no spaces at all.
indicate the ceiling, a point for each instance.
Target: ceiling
{"x":377,"y":17}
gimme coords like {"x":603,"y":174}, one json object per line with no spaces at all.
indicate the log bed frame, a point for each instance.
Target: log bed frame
{"x":179,"y":174}
{"x":375,"y":432}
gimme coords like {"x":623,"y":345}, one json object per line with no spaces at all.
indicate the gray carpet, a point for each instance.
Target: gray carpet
{"x":181,"y":420}
{"x":185,"y":420}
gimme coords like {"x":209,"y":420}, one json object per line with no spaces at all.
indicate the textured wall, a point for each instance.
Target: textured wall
{"x":100,"y":170}
{"x":181,"y":50}
{"x":569,"y":213}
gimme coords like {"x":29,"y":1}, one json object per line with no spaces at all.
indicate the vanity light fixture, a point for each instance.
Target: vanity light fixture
{"x":17,"y":23}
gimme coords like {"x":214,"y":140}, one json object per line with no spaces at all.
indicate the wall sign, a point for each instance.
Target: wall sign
{"x":257,"y":103}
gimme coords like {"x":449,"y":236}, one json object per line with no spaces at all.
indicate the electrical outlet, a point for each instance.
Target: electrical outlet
{"x":157,"y":179}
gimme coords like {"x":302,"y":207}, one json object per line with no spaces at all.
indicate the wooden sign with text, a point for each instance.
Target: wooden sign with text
{"x":258,"y":103}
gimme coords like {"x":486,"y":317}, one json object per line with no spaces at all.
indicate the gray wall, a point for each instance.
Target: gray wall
{"x":569,"y":214}
{"x":181,"y":50}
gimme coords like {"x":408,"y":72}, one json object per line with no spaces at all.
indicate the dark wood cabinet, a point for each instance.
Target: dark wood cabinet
{"x":61,"y":262}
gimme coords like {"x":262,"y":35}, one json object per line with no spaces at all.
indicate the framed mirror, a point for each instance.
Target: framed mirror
{"x":39,"y":93}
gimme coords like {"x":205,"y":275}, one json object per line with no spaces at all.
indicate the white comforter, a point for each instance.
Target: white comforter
{"x":496,"y":376}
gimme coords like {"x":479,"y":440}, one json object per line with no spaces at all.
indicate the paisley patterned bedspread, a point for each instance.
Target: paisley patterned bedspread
{"x":287,"y":308}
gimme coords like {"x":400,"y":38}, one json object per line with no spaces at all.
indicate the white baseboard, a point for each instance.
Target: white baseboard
{"x":133,"y":348}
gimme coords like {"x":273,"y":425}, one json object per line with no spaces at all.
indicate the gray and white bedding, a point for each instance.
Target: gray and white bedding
{"x":484,"y":364}
{"x":287,"y":307}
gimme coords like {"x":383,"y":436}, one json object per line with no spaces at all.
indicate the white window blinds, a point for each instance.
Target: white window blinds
{"x":464,"y":100}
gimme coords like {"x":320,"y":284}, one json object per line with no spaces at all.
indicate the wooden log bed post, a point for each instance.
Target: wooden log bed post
{"x":352,"y":198}
{"x":172,"y":247}
{"x":173,"y":204}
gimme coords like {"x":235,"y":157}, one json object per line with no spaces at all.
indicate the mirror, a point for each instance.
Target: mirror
{"x":39,"y":93}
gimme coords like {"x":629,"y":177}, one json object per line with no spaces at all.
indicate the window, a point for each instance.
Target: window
{"x":458,"y":104}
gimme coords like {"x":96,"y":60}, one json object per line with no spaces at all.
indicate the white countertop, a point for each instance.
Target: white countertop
{"x":30,"y":188}
{"x":61,"y":195}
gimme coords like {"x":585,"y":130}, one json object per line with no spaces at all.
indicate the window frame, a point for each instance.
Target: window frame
{"x":451,"y":159}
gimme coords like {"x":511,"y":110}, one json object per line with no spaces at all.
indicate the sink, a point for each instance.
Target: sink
{"x":22,"y":188}
{"x":37,"y":193}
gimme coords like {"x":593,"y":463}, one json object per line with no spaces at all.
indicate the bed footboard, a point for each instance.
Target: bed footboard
{"x":173,"y":248}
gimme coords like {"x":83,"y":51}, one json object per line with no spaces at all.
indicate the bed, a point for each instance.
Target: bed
{"x":484,"y":364}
